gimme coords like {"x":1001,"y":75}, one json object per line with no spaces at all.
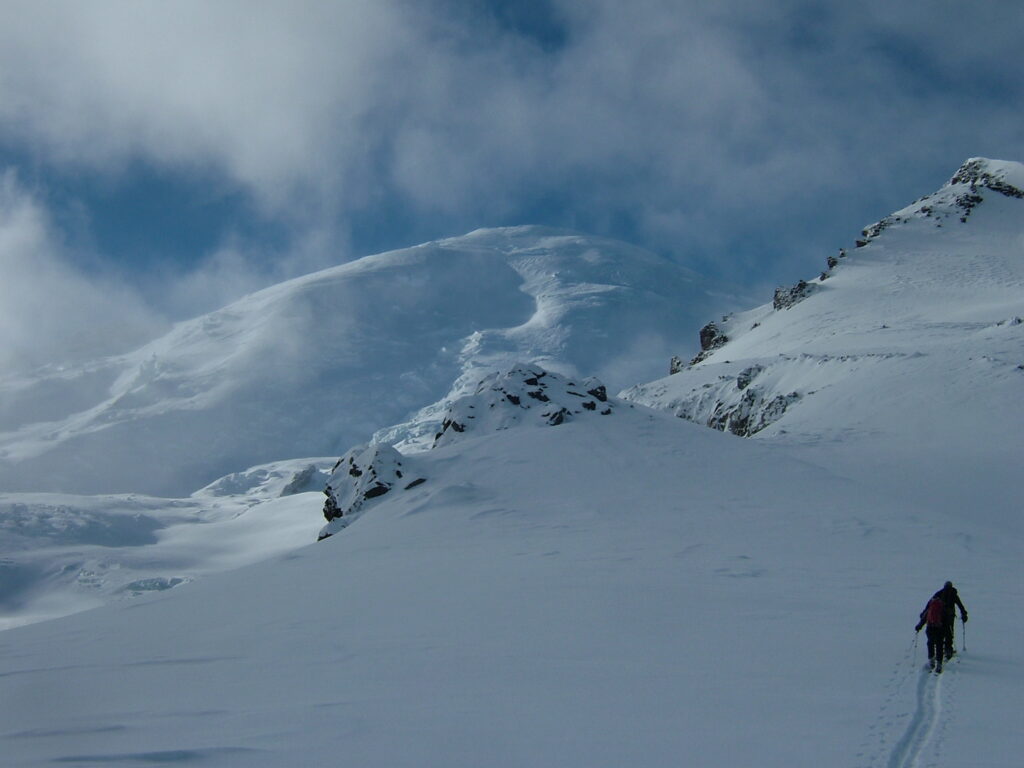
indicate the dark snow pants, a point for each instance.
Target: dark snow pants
{"x":936,"y":642}
{"x":948,"y":637}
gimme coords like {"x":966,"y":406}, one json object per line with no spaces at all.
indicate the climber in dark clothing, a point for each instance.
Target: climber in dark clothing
{"x":934,"y":615}
{"x":950,"y":600}
{"x":940,"y":616}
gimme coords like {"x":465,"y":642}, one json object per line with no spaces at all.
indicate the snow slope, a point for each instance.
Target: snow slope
{"x":313,"y":365}
{"x":618,"y":589}
{"x":902,"y":365}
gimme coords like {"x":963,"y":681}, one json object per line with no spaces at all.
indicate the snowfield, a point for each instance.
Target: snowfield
{"x":632,"y":589}
{"x":62,"y":554}
{"x":517,"y":578}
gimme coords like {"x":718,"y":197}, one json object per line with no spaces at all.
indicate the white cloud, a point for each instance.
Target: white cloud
{"x":238,"y":267}
{"x":706,"y":126}
{"x":263,"y":90}
{"x":49,"y":310}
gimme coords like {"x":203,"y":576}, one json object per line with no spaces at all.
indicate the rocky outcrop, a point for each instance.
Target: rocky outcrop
{"x":711,"y":338}
{"x":523,"y":394}
{"x":870,"y":233}
{"x":366,"y":472}
{"x":976,"y":172}
{"x":754,"y":411}
{"x":742,"y":403}
{"x":786,"y":297}
{"x":831,"y":263}
{"x":747,"y":375}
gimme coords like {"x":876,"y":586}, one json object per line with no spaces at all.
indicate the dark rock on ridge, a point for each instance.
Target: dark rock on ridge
{"x":752,"y":413}
{"x":786,"y":297}
{"x":711,"y":338}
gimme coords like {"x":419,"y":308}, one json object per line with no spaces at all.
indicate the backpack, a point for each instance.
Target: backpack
{"x":935,"y":612}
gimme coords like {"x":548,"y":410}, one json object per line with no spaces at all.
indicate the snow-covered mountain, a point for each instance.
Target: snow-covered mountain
{"x":311,"y":366}
{"x":907,"y":349}
{"x":525,"y":580}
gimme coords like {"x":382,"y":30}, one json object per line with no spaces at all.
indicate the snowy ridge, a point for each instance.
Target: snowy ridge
{"x":964,"y":192}
{"x":369,"y":343}
{"x":269,"y":481}
{"x":916,"y":333}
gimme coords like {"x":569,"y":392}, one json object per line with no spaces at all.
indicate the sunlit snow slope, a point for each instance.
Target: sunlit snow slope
{"x":310,"y":366}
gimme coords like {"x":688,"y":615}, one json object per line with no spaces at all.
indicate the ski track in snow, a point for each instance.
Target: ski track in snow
{"x":911,"y":747}
{"x":920,"y":744}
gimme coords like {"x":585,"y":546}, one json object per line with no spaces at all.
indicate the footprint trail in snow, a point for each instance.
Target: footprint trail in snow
{"x":923,"y":724}
{"x":919,"y":744}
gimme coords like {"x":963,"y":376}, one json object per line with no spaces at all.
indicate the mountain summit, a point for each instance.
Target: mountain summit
{"x":975,"y":180}
{"x":316,"y":364}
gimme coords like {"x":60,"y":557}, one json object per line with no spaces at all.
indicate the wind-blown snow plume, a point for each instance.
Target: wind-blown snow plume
{"x":319,"y":363}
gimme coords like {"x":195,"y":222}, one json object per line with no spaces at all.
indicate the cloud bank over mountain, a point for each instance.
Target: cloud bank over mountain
{"x":695,"y":130}
{"x":350,"y":100}
{"x":313,"y":365}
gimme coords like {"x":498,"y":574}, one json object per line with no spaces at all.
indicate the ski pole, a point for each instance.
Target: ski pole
{"x":963,"y":637}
